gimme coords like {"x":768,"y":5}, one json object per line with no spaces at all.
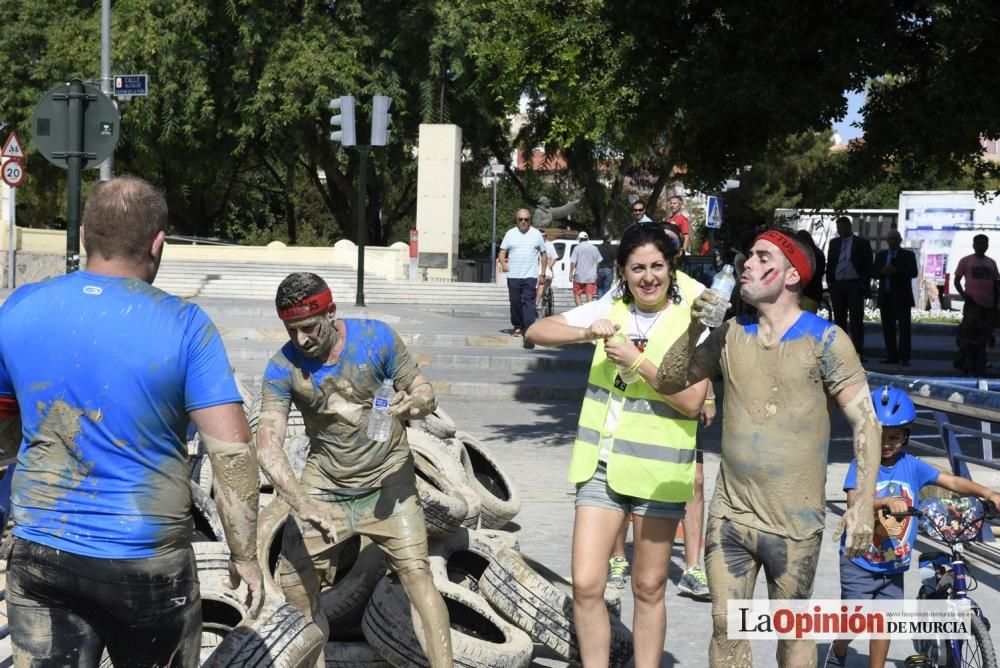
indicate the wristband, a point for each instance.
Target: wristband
{"x":634,"y":367}
{"x":709,"y":401}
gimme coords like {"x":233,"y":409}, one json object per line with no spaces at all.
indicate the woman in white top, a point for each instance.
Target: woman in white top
{"x":649,"y":309}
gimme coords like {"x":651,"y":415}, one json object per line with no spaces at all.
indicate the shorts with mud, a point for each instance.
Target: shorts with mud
{"x":390,"y":515}
{"x":64,"y":609}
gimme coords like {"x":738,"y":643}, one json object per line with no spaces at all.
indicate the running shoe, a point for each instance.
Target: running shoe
{"x":694,"y":583}
{"x":617,"y":568}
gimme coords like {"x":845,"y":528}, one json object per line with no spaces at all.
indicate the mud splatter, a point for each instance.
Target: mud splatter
{"x":55,"y":461}
{"x":236,"y":493}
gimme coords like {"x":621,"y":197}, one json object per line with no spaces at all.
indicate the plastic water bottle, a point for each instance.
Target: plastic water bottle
{"x":628,"y":377}
{"x":722,"y":285}
{"x":379,"y":421}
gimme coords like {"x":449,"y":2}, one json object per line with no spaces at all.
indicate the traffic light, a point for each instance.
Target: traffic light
{"x":380,"y":119}
{"x":345,"y":120}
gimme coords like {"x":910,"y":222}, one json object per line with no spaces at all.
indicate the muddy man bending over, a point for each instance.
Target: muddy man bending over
{"x":351,"y":484}
{"x":778,"y":371}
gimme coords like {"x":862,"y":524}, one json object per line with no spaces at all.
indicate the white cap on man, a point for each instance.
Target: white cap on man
{"x":583,"y":236}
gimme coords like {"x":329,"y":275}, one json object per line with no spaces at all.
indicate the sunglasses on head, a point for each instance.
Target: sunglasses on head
{"x":636,"y":225}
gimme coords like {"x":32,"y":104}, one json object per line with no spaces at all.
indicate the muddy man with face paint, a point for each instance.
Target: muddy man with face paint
{"x":778,"y":369}
{"x":351,"y":484}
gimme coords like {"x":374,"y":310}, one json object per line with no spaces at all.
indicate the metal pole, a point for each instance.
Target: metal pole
{"x":493,"y":242}
{"x":106,"y":73}
{"x":74,"y":162}
{"x":359,"y":300}
{"x":12,"y":239}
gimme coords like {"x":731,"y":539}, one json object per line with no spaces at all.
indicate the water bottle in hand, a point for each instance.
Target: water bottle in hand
{"x":628,"y":377}
{"x":722,"y":286}
{"x":379,"y":420}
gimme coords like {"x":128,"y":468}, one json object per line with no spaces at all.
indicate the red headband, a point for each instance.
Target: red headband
{"x":790,"y":250}
{"x":308,"y":307}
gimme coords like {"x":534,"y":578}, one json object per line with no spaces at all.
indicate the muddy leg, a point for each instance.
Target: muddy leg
{"x":732,"y":569}
{"x":433,"y":615}
{"x":790,"y":567}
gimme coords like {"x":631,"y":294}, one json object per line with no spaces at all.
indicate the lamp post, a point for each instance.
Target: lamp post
{"x":496,"y":171}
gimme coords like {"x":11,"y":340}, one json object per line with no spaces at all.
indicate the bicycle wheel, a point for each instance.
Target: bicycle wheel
{"x":978,"y":652}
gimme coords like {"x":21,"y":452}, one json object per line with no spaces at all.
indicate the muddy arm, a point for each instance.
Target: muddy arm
{"x":226,"y":435}
{"x":271,"y":428}
{"x":680,"y":368}
{"x":858,"y":521}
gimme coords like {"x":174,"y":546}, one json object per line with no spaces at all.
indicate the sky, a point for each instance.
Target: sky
{"x":843,"y":128}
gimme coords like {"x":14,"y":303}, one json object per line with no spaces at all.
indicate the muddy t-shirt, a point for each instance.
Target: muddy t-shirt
{"x":776,"y":420}
{"x":105,"y":371}
{"x":336,"y":400}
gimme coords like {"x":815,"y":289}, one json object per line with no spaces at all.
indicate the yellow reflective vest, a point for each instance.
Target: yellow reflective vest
{"x":652,"y":454}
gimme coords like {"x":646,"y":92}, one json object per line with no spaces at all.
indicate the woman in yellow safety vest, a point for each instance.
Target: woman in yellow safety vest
{"x":635,"y":449}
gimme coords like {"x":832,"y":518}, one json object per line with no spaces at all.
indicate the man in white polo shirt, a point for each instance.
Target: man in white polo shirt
{"x":523,"y":257}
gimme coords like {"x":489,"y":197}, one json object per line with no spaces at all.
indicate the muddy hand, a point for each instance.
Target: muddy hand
{"x":859,"y":524}
{"x":249,"y":572}
{"x":703,"y":304}
{"x":312,"y":512}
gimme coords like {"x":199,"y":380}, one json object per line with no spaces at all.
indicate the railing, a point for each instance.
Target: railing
{"x":943,"y":405}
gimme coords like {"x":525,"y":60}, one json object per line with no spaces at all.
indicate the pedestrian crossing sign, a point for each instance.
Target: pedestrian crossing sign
{"x":713,"y":213}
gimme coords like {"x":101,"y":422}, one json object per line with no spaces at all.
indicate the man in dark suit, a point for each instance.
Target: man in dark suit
{"x":895,"y":268}
{"x":848,"y":270}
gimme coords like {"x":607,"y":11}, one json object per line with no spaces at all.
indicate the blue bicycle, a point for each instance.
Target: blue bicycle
{"x":945,"y":576}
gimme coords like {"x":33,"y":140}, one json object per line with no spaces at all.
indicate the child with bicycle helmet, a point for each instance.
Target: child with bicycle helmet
{"x":878,"y":574}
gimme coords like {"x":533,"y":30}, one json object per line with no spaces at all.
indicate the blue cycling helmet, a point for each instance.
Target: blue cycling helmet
{"x":893,"y":407}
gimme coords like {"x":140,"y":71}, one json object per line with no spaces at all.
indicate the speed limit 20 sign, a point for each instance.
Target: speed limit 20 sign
{"x":12,"y":173}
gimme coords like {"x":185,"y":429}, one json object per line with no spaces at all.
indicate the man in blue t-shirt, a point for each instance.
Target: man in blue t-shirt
{"x":351,"y":483}
{"x":878,"y":573}
{"x":107,"y":371}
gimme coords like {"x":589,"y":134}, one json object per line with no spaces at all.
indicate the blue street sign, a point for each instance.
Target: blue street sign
{"x":713,"y":212}
{"x":131,"y":84}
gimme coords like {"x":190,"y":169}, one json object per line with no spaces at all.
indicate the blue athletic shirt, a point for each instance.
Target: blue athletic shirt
{"x":905,"y":478}
{"x":105,"y":371}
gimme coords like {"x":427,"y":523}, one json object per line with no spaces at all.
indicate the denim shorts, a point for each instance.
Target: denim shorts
{"x":596,"y":493}
{"x":858,"y":583}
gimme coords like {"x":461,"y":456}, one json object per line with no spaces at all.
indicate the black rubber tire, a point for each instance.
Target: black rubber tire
{"x":462,"y":557}
{"x":543,"y":610}
{"x":207,"y":524}
{"x":445,"y":457}
{"x":480,"y":638}
{"x":362,"y":564}
{"x":978,"y":651}
{"x":437,"y":423}
{"x":356,"y":653}
{"x":497,"y":493}
{"x":222,"y":608}
{"x":281,"y":637}
{"x":444,"y":507}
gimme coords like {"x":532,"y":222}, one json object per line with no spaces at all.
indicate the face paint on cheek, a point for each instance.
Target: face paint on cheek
{"x":769,"y":276}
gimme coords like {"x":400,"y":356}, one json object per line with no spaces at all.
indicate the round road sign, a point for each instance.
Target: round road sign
{"x":50,"y":125}
{"x":12,"y":173}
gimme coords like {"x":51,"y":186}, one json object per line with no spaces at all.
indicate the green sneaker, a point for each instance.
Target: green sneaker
{"x":617,"y":568}
{"x":694,"y":583}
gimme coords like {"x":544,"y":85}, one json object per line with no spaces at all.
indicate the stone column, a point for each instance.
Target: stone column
{"x":439,"y":164}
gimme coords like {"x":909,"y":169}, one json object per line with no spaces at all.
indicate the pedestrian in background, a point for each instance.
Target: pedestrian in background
{"x":523,"y":257}
{"x":677,"y":217}
{"x":606,"y":269}
{"x":895,"y":268}
{"x":584,"y":260}
{"x":848,"y":272}
{"x":976,"y":280}
{"x":110,"y":370}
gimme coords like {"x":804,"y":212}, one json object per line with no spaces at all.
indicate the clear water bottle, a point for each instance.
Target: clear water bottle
{"x":628,"y":377}
{"x":379,"y":420}
{"x":722,"y":285}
